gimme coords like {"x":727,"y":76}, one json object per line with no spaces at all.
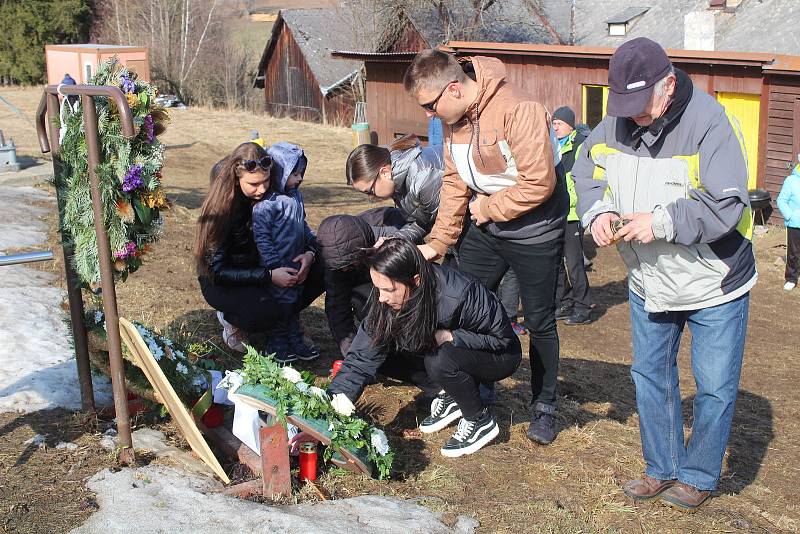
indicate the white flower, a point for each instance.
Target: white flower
{"x":200,"y":381}
{"x":330,"y":427}
{"x":98,"y":316}
{"x":314,"y":390}
{"x":181,"y":368}
{"x":301,"y":387}
{"x":290,"y":374}
{"x":379,"y":441}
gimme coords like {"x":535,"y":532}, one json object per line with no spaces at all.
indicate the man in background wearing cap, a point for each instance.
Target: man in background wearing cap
{"x":572,"y":293}
{"x":669,"y":163}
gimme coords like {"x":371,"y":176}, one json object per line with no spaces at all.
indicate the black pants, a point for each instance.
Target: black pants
{"x":792,"y":254}
{"x":573,"y":285}
{"x":253,"y":308}
{"x":508,"y":293}
{"x":488,"y":258}
{"x":410,"y":368}
{"x":460,"y":370}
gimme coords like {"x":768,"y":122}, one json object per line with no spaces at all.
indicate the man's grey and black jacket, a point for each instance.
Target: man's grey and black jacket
{"x":689,"y":170}
{"x":463,"y":305}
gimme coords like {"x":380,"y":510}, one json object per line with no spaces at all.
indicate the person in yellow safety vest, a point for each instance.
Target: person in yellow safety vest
{"x":256,"y":138}
{"x":572,"y":293}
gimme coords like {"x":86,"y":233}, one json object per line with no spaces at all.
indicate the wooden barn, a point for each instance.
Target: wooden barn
{"x":297,"y":74}
{"x":761,"y":90}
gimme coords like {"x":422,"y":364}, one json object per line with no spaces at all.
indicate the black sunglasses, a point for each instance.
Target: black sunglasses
{"x":431,"y":106}
{"x":250,"y":164}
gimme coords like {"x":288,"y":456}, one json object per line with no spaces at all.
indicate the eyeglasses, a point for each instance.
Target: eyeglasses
{"x":250,"y":164}
{"x":371,"y":190}
{"x":431,"y":106}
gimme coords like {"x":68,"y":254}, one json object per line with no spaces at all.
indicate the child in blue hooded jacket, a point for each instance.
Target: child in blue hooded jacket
{"x":284,"y":239}
{"x":789,"y":204}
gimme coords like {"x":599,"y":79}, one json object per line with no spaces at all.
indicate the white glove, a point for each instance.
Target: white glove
{"x":342,"y":404}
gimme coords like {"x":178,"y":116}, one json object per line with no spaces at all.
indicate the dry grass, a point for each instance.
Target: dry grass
{"x":512,"y":485}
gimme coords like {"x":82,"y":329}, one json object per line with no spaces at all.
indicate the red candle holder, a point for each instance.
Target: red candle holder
{"x":308,"y":461}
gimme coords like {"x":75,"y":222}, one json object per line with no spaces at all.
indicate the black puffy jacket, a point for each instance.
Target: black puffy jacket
{"x":463,"y":305}
{"x":235,"y":260}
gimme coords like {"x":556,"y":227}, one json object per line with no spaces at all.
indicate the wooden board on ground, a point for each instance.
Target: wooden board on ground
{"x":259,"y":397}
{"x":144,"y":359}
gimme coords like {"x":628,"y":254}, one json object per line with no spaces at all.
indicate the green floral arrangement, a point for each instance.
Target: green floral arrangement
{"x":129,"y":176}
{"x":297,"y":394}
{"x":186,"y":370}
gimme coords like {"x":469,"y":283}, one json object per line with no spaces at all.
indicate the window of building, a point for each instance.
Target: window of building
{"x":594,"y":104}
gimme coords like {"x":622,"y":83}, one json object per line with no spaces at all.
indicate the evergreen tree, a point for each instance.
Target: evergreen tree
{"x":26,"y":26}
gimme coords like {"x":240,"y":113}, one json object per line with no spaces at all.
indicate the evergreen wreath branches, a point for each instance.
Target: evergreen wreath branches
{"x":129,"y":177}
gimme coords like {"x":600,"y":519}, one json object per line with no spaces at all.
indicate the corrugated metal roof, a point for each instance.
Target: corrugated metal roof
{"x":383,"y":57}
{"x":627,"y":15}
{"x":511,"y":21}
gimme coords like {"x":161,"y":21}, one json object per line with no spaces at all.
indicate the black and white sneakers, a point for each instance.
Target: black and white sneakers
{"x":444,"y":411}
{"x":471,"y":435}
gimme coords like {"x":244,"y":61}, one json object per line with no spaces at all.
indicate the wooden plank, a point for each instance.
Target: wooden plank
{"x":780,"y":130}
{"x":784,"y":155}
{"x":779,"y":139}
{"x":787,"y":89}
{"x":783,"y":123}
{"x":143,"y":359}
{"x":777,"y":104}
{"x":276,"y":478}
{"x":763,"y":129}
{"x":781,"y":114}
{"x":783,"y":97}
{"x":777,"y":163}
{"x":230,"y":445}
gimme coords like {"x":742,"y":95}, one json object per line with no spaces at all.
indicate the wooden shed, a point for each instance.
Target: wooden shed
{"x":297,"y":74}
{"x":80,"y":60}
{"x":761,"y":90}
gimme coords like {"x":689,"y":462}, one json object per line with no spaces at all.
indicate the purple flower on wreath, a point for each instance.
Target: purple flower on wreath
{"x":132,"y":179}
{"x":127,"y":84}
{"x":128,"y":252}
{"x":148,"y":127}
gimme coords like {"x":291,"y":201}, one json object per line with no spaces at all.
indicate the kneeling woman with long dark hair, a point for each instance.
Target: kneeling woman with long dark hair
{"x":452,"y":321}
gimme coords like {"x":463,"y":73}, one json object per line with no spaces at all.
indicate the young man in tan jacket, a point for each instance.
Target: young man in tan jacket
{"x":499,"y":163}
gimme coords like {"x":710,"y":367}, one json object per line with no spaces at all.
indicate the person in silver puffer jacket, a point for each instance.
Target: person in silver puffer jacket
{"x":406,"y":172}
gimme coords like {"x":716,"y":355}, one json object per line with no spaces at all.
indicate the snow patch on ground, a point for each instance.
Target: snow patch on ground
{"x":162,"y":499}
{"x":38,"y":368}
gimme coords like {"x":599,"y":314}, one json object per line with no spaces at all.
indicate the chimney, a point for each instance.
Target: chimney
{"x":698,"y":30}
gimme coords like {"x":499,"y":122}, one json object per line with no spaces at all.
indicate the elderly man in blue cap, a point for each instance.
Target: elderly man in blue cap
{"x":664,"y":176}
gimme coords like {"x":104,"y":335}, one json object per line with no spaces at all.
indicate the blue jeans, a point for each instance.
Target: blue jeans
{"x":718,"y":335}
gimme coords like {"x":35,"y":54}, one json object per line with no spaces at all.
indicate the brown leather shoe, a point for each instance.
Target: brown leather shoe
{"x":646,"y":488}
{"x":685,"y":497}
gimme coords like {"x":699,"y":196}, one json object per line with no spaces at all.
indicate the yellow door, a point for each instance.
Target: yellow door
{"x":746,"y":109}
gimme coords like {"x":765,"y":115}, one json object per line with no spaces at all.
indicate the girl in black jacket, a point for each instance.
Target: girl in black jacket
{"x":225,"y":253}
{"x":451,"y":321}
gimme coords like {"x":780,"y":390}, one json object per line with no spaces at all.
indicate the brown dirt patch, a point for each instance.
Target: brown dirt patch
{"x":512,"y":485}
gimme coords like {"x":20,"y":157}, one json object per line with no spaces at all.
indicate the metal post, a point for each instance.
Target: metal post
{"x":107,"y":281}
{"x":77,"y":320}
